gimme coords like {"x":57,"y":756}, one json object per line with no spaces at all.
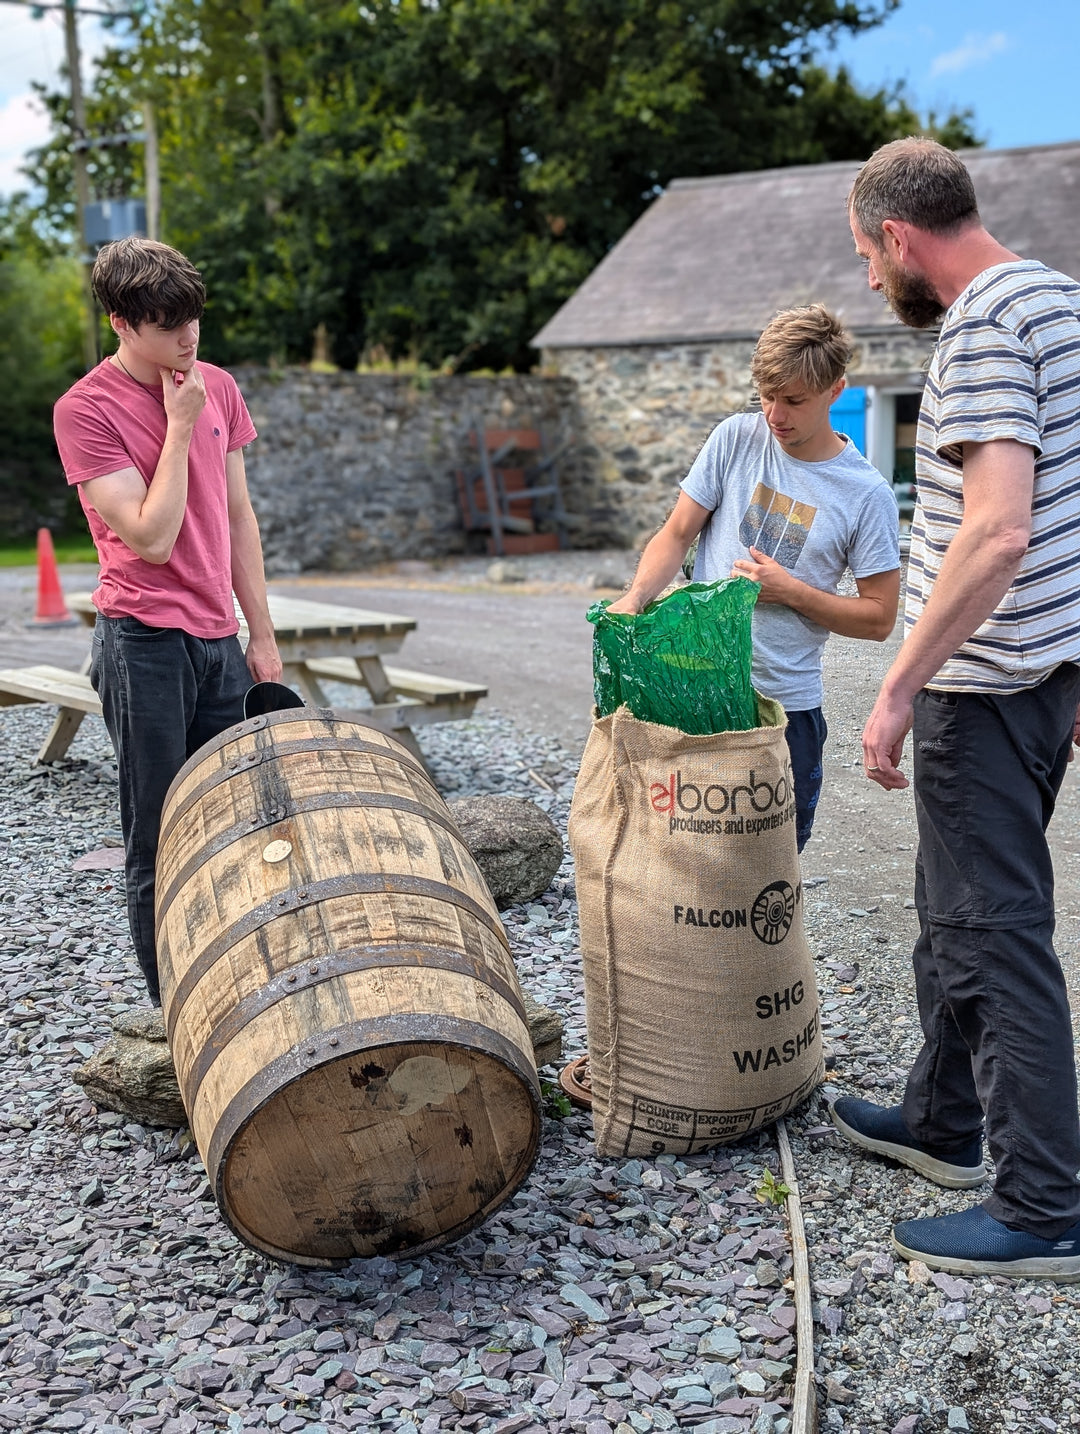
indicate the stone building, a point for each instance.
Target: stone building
{"x":658,"y":339}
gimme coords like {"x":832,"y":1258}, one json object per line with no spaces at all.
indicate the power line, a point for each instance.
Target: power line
{"x":38,"y":9}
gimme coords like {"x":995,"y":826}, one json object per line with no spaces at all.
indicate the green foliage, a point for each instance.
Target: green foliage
{"x":39,"y":359}
{"x":557,"y":1105}
{"x":25,"y":554}
{"x":431,"y":179}
{"x":771,"y":1191}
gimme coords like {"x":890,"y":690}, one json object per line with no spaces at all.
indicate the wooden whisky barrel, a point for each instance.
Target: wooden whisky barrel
{"x":342,"y":1009}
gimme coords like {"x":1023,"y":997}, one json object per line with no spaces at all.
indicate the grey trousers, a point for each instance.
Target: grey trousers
{"x":163,"y":694}
{"x":992,"y":1000}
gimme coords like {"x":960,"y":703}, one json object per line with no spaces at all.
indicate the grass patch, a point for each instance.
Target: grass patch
{"x":73,"y":550}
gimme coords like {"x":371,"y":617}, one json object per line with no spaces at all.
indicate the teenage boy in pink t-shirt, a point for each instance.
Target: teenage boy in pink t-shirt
{"x":154,"y":441}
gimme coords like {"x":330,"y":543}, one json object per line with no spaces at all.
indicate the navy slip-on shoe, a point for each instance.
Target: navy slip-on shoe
{"x":972,"y":1242}
{"x":881,"y":1129}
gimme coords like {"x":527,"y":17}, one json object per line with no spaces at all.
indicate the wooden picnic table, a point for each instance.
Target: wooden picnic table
{"x":307,"y":631}
{"x":318,"y":642}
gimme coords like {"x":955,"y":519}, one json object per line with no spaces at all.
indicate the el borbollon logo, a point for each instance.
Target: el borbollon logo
{"x":746,"y":808}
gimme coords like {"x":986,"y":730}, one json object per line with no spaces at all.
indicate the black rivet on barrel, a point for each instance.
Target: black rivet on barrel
{"x":301,"y":896}
{"x":291,"y":978}
{"x":283,"y":901}
{"x":314,"y":968}
{"x":333,"y":1040}
{"x":311,"y":1050}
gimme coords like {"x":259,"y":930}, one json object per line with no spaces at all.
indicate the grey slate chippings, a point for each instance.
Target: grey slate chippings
{"x":607,"y":1297}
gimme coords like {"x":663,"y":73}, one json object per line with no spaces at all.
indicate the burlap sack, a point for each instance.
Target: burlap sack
{"x":700,"y":997}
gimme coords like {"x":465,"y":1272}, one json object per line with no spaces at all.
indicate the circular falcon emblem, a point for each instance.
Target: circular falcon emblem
{"x":772,"y":913}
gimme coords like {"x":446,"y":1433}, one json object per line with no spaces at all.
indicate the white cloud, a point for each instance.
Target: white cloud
{"x":23,"y":125}
{"x":30,"y":49}
{"x":975,"y":50}
{"x":33,"y":50}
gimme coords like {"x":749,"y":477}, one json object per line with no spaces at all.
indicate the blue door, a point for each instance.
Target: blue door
{"x":848,"y":415}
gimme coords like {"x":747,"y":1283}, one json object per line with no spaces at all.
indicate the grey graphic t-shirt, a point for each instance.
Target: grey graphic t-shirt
{"x":816,"y":519}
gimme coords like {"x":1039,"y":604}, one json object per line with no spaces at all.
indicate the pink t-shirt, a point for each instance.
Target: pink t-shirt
{"x":109,"y":421}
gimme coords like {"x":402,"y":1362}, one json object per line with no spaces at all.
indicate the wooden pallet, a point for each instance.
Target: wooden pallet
{"x":511,"y":489}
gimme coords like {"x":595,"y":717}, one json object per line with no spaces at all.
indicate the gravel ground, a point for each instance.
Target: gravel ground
{"x":604,"y":1298}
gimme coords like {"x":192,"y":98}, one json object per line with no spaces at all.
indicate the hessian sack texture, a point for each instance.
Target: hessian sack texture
{"x":700,"y":997}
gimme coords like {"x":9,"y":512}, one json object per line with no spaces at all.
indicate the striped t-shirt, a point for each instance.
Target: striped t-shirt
{"x":1006,"y":366}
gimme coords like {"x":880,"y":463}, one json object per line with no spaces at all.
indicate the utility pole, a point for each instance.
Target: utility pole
{"x":79,"y":149}
{"x":82,"y":182}
{"x":151,"y":172}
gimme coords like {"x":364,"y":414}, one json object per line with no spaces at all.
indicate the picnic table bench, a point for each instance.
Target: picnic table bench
{"x":318,"y":642}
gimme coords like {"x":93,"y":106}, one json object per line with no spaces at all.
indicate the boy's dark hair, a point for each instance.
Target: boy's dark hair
{"x":916,"y":180}
{"x":145,"y":282}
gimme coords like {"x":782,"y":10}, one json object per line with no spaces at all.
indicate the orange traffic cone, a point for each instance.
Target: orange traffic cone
{"x":51,"y":609}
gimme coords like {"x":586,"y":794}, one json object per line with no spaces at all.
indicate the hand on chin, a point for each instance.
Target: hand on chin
{"x":181,"y":369}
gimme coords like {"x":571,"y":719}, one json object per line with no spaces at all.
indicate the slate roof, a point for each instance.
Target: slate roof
{"x":716,"y":258}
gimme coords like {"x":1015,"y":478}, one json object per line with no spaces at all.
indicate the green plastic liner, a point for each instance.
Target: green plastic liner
{"x":684,"y":662}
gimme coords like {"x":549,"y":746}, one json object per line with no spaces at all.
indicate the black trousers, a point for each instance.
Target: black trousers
{"x":806,"y":733}
{"x":163,"y":694}
{"x":992,"y":999}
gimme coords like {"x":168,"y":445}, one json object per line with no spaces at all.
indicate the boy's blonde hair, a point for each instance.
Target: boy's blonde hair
{"x":806,"y":345}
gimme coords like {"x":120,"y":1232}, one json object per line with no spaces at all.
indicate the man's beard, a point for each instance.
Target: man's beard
{"x":911,"y":298}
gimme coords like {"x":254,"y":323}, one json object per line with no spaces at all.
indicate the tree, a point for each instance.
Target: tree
{"x":40,"y":318}
{"x":432,"y":178}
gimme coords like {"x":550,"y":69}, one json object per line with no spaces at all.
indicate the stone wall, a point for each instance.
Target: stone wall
{"x":644,"y":413}
{"x":353,"y":469}
{"x":892,"y":351}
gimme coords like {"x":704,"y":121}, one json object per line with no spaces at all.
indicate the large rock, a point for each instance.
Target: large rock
{"x":515,"y":844}
{"x":546,"y":1029}
{"x":133,"y":1072}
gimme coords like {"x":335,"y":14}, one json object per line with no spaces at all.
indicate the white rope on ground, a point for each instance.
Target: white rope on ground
{"x":804,"y":1402}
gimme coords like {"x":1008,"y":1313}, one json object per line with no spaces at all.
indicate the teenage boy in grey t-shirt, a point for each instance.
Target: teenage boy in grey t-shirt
{"x":777,"y":496}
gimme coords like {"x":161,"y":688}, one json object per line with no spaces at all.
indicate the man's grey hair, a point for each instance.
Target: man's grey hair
{"x":915,"y":180}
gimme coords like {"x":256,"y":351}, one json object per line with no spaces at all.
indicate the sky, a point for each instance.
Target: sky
{"x":33,"y":50}
{"x":1014,"y":65}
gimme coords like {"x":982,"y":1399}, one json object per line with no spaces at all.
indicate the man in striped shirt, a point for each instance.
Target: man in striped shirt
{"x":989,"y":681}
